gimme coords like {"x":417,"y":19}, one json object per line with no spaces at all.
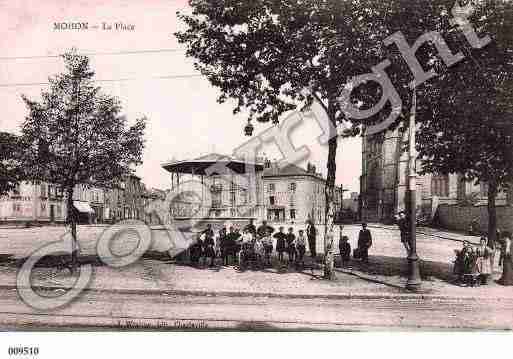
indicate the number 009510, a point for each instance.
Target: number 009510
{"x":23,"y":350}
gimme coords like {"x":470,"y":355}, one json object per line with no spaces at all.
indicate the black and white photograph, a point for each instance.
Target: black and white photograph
{"x":190,"y":167}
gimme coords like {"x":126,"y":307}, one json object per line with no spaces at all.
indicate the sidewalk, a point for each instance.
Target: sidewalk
{"x":384,"y":277}
{"x":151,"y":276}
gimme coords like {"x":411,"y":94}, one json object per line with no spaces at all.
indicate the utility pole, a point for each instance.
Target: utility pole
{"x":414,"y":280}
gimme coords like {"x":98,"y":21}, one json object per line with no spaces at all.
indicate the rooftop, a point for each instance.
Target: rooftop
{"x":200,"y":165}
{"x":291,"y":170}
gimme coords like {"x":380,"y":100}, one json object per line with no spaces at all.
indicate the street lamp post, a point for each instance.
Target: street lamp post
{"x":414,"y":280}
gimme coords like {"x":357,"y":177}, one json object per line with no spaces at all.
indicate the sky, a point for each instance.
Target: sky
{"x":154,"y":79}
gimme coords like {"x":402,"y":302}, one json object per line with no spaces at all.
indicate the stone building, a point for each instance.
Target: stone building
{"x":89,"y":203}
{"x":384,"y":180}
{"x":46,"y":203}
{"x":292,"y":194}
{"x":125,"y":200}
{"x":351,"y":203}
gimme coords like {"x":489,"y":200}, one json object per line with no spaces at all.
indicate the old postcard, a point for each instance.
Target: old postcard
{"x":263,"y":165}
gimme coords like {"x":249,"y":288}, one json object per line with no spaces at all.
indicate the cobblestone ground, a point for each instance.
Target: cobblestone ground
{"x":386,"y":273}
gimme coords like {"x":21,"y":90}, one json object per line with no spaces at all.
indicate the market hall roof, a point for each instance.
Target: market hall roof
{"x":199,"y":166}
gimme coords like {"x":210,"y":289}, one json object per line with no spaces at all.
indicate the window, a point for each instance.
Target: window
{"x":440,"y":185}
{"x":216,"y":199}
{"x":292,"y":214}
{"x":293,"y":187}
{"x":272,"y":187}
{"x":43,"y":207}
{"x":16,"y":207}
{"x":43,"y":190}
{"x":271,"y":201}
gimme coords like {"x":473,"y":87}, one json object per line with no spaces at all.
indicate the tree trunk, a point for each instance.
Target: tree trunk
{"x":492,"y":212}
{"x":329,"y":192}
{"x":72,"y":221}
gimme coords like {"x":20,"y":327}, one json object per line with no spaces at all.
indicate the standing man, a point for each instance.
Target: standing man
{"x":345,"y":249}
{"x":251,"y":228}
{"x":301,"y":246}
{"x":209,"y":232}
{"x":281,"y":243}
{"x":230,"y":245}
{"x":311,"y":233}
{"x":209,"y":245}
{"x":404,"y":227}
{"x":291,"y":245}
{"x":237,"y":245}
{"x":223,"y":245}
{"x":364,"y":243}
{"x":268,"y":246}
{"x":264,"y":229}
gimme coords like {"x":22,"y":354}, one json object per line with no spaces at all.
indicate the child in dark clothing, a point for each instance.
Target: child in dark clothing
{"x":209,"y":250}
{"x":301,"y":246}
{"x":345,"y":250}
{"x":196,"y":251}
{"x":291,"y":245}
{"x":223,"y":245}
{"x":280,"y":243}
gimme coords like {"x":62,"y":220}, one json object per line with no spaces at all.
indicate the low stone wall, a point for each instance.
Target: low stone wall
{"x":459,"y":217}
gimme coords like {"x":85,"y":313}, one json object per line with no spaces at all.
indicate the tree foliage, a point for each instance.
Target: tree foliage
{"x":10,"y":169}
{"x":264,"y":53}
{"x":467,"y":114}
{"x":76,"y":134}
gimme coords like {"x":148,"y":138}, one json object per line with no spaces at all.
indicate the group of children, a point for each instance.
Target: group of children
{"x":254,"y":244}
{"x":236,"y":247}
{"x":477,"y":262}
{"x":288,"y":243}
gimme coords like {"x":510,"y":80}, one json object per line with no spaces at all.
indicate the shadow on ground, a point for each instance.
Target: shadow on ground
{"x":380,"y":269}
{"x":64,"y":260}
{"x":388,"y":270}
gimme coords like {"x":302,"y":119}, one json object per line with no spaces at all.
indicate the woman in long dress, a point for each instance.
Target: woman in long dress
{"x":484,"y":260}
{"x":507,"y":275}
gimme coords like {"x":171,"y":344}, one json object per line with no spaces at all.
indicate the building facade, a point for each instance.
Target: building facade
{"x":294,"y":195}
{"x":351,"y":203}
{"x":384,"y":181}
{"x":280,"y":195}
{"x":125,"y":200}
{"x":46,"y":203}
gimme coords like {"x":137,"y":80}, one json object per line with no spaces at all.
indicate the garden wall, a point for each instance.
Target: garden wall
{"x":459,"y":217}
